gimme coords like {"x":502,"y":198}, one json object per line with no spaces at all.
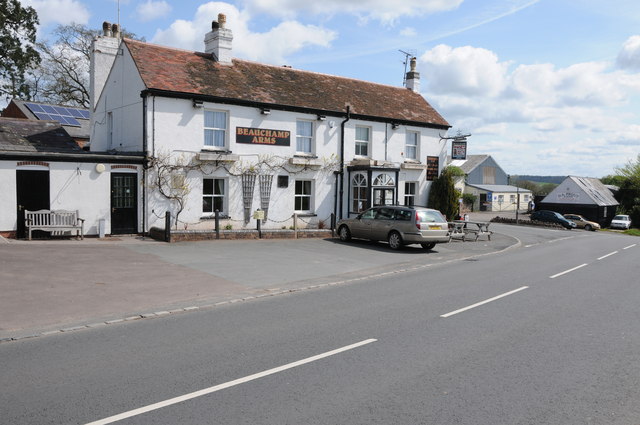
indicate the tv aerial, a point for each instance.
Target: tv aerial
{"x":407,"y":58}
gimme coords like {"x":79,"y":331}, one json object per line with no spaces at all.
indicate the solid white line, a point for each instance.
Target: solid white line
{"x":567,"y":271}
{"x":630,"y":246}
{"x":483,"y":302}
{"x":229,"y":384}
{"x":608,"y":255}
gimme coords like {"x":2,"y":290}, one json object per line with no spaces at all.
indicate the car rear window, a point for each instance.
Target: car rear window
{"x":431,"y":217}
{"x":404,"y":215}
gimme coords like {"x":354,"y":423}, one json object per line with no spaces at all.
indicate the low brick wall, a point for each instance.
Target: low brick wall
{"x":207,"y":235}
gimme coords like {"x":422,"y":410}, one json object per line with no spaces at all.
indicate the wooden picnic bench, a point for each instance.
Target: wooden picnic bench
{"x":54,"y":222}
{"x":462,"y":229}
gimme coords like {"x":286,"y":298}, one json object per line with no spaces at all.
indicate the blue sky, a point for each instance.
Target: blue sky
{"x":544,"y":86}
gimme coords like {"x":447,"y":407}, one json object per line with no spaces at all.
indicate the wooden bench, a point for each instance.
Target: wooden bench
{"x":54,"y":222}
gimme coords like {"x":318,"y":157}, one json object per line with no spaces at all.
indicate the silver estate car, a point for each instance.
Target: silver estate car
{"x":399,"y":225}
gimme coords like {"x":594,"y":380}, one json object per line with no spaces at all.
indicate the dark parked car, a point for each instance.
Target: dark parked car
{"x":399,"y":225}
{"x":552,"y":217}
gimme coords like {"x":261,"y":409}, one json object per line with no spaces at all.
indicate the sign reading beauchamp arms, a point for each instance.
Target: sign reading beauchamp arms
{"x":263,"y":136}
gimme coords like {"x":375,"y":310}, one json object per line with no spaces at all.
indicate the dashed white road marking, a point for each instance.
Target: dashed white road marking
{"x":229,"y":384}
{"x":630,"y":246}
{"x":483,"y":302}
{"x":608,"y":255}
{"x":567,"y":271}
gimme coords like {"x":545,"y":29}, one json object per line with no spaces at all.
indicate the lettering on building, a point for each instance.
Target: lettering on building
{"x":263,"y":136}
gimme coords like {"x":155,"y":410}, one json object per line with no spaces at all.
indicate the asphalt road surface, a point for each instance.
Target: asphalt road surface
{"x":545,"y":333}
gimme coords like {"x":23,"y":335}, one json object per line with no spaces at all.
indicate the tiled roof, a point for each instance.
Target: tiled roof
{"x":187,"y":72}
{"x":23,"y":135}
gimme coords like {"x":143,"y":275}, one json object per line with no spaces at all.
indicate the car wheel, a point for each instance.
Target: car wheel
{"x":395,"y":240}
{"x":588,"y":227}
{"x":344,"y":233}
{"x":428,"y":246}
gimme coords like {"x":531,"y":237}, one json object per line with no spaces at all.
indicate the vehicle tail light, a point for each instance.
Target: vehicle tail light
{"x":418,"y":220}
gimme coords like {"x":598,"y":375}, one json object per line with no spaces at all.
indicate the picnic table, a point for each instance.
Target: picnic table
{"x":463,"y":229}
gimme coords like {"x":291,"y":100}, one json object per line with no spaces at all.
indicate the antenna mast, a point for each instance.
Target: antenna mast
{"x":407,"y":58}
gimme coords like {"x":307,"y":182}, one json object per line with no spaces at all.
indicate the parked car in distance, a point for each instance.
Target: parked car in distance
{"x":399,"y":225}
{"x":552,"y":217}
{"x":620,"y":222}
{"x":582,"y":223}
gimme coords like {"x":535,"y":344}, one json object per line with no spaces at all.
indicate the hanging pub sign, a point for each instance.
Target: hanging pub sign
{"x":433,"y":166}
{"x":459,"y":148}
{"x":263,"y":136}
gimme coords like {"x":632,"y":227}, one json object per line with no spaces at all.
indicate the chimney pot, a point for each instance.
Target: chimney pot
{"x":214,"y":25}
{"x":106,"y":29}
{"x":413,"y":77}
{"x":115,"y":29}
{"x":222,"y":20}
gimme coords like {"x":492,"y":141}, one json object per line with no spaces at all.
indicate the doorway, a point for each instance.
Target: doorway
{"x":32,"y":193}
{"x":383,"y":196}
{"x":124,"y":205}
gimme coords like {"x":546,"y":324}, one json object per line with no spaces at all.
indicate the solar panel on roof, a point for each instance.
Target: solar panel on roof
{"x":34,"y":107}
{"x":42,"y":116}
{"x":66,"y":116}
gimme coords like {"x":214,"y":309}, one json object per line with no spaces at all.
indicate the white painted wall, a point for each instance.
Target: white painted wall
{"x":120,"y":97}
{"x":72,"y":186}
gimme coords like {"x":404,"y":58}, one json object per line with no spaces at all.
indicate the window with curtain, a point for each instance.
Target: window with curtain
{"x":304,"y":136}
{"x":215,"y":128}
{"x":363,"y":136}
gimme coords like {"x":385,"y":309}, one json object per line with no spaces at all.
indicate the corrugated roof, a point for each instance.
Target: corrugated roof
{"x":469,"y":164}
{"x":499,"y":188}
{"x":596,"y":190}
{"x":187,"y":72}
{"x":23,"y":135}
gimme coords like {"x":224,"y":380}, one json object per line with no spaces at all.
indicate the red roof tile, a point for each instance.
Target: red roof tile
{"x":182,"y":71}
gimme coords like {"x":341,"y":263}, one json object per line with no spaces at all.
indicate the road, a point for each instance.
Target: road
{"x":545,"y":333}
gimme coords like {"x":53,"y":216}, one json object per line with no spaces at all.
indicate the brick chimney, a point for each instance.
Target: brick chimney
{"x":104,"y":49}
{"x":218,"y":41}
{"x":413,"y":77}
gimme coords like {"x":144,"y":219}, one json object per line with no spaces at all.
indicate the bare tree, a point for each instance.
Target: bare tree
{"x":63,"y":76}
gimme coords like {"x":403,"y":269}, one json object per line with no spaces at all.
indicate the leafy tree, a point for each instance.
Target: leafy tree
{"x":443,"y":196}
{"x":63,"y":77}
{"x":469,"y":199}
{"x":629,"y":194}
{"x":613,"y":180}
{"x":17,"y":36}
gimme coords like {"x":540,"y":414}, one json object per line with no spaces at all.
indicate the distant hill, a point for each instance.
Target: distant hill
{"x":541,"y":179}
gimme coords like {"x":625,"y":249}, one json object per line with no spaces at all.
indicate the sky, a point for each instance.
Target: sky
{"x":546,"y":87}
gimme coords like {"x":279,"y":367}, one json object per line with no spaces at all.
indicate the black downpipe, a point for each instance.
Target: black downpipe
{"x":145,"y":163}
{"x":342,"y":158}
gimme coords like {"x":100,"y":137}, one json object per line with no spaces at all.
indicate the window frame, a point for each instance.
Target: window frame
{"x":213,"y":196}
{"x":415,"y":146}
{"x":216,"y":129}
{"x":303,"y":196}
{"x":311,"y":138}
{"x":359,"y":143}
{"x":408,"y":195}
{"x":359,"y":185}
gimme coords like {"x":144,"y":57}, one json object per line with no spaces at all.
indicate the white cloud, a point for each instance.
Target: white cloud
{"x":574,"y":120}
{"x":272,"y":47}
{"x":409,"y":32}
{"x":465,"y":70}
{"x":61,"y":12}
{"x":386,"y":11}
{"x":151,"y":10}
{"x":629,"y":56}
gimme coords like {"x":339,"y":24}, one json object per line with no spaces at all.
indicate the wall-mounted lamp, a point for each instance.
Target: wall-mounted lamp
{"x":394,"y":125}
{"x":265,"y":111}
{"x":322,"y":118}
{"x":197,"y":103}
{"x":100,"y":168}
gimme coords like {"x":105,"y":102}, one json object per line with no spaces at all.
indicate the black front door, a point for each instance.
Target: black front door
{"x":32,"y":193}
{"x":382,"y":197}
{"x":483,"y":202}
{"x":124,"y":205}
